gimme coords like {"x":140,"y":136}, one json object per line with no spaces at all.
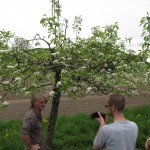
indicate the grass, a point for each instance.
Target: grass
{"x":74,"y":132}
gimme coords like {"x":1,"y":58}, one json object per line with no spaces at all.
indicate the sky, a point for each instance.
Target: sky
{"x":23,"y":16}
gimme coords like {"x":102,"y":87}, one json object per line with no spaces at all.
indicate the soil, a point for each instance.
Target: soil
{"x":68,"y":106}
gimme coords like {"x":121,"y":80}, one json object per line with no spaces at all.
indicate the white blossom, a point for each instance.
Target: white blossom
{"x":72,"y":46}
{"x":5,"y":103}
{"x":5,"y":82}
{"x":89,"y":89}
{"x":114,"y":63}
{"x":118,"y":54}
{"x":83,"y":67}
{"x":54,"y":54}
{"x":23,"y":89}
{"x":63,"y":63}
{"x":136,"y":80}
{"x":113,"y":74}
{"x":98,"y":79}
{"x":34,"y":84}
{"x":69,"y":58}
{"x":63,"y":58}
{"x":78,"y":52}
{"x":119,"y":67}
{"x":129,"y":75}
{"x":103,"y":70}
{"x":108,"y":76}
{"x":51,"y":93}
{"x":36,"y":73}
{"x":134,"y":92}
{"x":86,"y":59}
{"x":74,"y":89}
{"x":112,"y":81}
{"x":10,"y":66}
{"x":105,"y":65}
{"x":125,"y":65}
{"x":58,"y":84}
{"x":100,"y":54}
{"x":66,"y":65}
{"x":17,"y":78}
{"x":55,"y":61}
{"x":147,"y":74}
{"x":64,"y":71}
{"x":27,"y":93}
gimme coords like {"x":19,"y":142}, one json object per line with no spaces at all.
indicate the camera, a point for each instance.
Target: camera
{"x":96,"y":115}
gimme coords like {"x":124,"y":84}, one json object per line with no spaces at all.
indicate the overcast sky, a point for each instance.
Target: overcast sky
{"x":23,"y":16}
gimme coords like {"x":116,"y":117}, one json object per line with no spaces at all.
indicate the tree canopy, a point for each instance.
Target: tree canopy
{"x":100,"y":63}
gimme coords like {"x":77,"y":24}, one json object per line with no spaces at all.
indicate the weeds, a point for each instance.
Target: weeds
{"x":74,"y":132}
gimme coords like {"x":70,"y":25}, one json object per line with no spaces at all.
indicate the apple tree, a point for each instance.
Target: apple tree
{"x":99,"y":64}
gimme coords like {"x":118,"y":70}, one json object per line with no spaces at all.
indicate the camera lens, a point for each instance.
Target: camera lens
{"x":96,"y":115}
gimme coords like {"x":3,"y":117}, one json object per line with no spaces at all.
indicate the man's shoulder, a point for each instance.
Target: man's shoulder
{"x":133,"y":124}
{"x":108,"y":127}
{"x":30,"y":113}
{"x":116,"y":124}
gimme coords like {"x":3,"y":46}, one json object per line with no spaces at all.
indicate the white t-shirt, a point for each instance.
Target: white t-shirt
{"x":117,"y":136}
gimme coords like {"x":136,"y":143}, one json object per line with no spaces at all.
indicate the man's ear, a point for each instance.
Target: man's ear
{"x":113,"y":108}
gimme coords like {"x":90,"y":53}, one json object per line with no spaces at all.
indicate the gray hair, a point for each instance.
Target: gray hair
{"x":36,"y":97}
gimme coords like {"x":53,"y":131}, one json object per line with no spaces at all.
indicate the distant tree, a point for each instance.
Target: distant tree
{"x":145,"y":23}
{"x":21,"y":43}
{"x":99,"y":64}
{"x":5,"y":36}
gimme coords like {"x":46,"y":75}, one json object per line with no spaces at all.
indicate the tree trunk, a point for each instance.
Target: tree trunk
{"x":52,"y":122}
{"x":53,"y":115}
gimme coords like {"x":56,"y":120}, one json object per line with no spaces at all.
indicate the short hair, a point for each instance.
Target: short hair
{"x":117,"y":100}
{"x":36,"y":97}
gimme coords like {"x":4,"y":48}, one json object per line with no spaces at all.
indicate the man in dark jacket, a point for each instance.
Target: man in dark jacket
{"x":31,"y":131}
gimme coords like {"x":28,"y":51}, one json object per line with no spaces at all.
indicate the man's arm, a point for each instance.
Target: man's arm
{"x":102,"y":122}
{"x":27,"y":142}
{"x":96,"y":148}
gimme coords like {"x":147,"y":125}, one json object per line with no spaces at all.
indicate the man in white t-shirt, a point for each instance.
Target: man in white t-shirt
{"x":121,"y":134}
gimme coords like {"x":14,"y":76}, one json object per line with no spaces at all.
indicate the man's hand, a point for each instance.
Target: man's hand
{"x":101,"y":120}
{"x":35,"y":147}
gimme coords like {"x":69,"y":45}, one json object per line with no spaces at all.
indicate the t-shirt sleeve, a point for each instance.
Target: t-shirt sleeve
{"x":100,"y":139}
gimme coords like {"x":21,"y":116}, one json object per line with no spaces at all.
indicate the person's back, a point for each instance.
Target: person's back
{"x":119,"y":136}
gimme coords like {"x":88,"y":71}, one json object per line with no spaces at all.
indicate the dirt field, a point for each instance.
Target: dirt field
{"x":68,"y":106}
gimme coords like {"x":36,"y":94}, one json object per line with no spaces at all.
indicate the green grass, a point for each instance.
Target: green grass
{"x":10,"y":135}
{"x":74,"y":132}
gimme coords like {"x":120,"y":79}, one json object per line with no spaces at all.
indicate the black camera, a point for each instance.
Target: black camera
{"x":96,"y":115}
